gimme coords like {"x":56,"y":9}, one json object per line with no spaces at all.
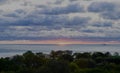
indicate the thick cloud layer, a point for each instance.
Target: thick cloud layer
{"x":75,"y":19}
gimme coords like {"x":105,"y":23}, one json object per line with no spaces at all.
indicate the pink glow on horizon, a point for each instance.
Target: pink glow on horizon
{"x":57,"y":41}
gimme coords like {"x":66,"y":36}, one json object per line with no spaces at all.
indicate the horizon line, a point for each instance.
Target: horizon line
{"x":57,"y":41}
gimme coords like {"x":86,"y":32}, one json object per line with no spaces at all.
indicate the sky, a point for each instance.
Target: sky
{"x":48,"y":21}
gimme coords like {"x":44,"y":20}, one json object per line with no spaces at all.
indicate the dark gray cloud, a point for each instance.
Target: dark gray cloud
{"x":101,"y":6}
{"x":20,"y":11}
{"x":102,"y":24}
{"x":76,"y":21}
{"x":59,"y":1}
{"x":58,"y":17}
{"x":41,"y":6}
{"x":88,"y":31}
{"x":1,"y":11}
{"x":11,"y":15}
{"x":106,"y":10}
{"x":73,"y":0}
{"x":46,"y":20}
{"x":3,"y":1}
{"x":112,"y":15}
{"x":71,"y":8}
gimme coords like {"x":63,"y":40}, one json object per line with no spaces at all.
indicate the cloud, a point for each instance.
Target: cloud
{"x":71,"y":8}
{"x":101,"y":6}
{"x":40,"y":20}
{"x":73,"y":0}
{"x":1,"y":11}
{"x":59,"y":1}
{"x":50,"y":32}
{"x":20,"y":11}
{"x":106,"y":10}
{"x":112,"y":15}
{"x":41,"y":6}
{"x":102,"y":24}
{"x":3,"y":1}
{"x":93,"y":33}
{"x":12,"y":15}
{"x":76,"y":21}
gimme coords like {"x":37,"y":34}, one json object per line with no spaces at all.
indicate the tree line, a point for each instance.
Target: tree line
{"x":61,"y":62}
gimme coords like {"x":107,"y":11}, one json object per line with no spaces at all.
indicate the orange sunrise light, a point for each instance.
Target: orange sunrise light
{"x":63,"y":43}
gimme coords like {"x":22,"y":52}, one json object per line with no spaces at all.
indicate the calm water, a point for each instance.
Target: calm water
{"x":10,"y":50}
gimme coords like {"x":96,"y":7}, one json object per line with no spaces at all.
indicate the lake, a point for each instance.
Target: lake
{"x":10,"y":50}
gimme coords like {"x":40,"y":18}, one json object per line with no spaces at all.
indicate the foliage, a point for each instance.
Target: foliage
{"x":61,"y":62}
